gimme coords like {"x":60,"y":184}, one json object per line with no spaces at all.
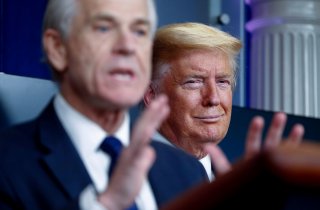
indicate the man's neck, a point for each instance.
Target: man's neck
{"x":108,"y":119}
{"x":188,"y":144}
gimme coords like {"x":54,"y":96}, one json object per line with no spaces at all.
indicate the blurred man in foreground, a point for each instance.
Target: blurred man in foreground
{"x":100,"y":55}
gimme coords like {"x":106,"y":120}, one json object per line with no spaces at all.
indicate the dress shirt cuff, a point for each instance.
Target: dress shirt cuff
{"x":88,"y":200}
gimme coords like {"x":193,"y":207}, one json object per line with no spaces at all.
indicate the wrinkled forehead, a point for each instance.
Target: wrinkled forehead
{"x":200,"y":63}
{"x":124,"y":10}
{"x":203,"y":57}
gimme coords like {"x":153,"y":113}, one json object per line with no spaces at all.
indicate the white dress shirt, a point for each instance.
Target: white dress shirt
{"x":87,"y":137}
{"x":205,"y":161}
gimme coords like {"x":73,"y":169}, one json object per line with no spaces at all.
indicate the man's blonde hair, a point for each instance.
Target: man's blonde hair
{"x":173,"y":40}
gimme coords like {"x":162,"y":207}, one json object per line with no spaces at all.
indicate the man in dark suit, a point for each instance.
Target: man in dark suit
{"x":100,"y":55}
{"x":195,"y":66}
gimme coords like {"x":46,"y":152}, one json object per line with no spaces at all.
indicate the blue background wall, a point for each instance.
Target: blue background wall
{"x":21,"y":22}
{"x":21,"y":53}
{"x":20,"y":35}
{"x":170,"y":11}
{"x":20,"y":38}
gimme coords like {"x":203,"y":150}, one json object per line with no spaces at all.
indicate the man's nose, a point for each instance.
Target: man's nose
{"x":125,"y":44}
{"x":210,"y":94}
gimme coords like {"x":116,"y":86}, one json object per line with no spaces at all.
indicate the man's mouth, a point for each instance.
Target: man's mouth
{"x":122,"y":75}
{"x":210,"y":118}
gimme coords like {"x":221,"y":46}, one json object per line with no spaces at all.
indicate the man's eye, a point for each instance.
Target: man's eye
{"x":102,"y":28}
{"x":191,"y":81}
{"x":192,"y":84}
{"x":140,"y":32}
{"x":224,"y":83}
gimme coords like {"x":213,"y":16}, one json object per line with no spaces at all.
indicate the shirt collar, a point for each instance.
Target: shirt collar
{"x":84,"y":133}
{"x":205,"y":161}
{"x":158,"y":137}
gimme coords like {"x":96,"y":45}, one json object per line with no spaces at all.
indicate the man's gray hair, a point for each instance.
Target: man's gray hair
{"x":59,"y":15}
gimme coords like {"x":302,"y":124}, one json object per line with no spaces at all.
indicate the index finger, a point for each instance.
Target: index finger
{"x":149,"y":121}
{"x":296,"y":135}
{"x":254,"y":135}
{"x":275,"y":131}
{"x":218,"y":158}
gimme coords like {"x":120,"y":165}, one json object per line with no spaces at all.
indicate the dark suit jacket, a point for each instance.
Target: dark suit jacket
{"x":40,"y":168}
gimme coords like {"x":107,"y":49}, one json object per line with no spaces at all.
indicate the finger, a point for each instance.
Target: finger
{"x":128,"y":178}
{"x":149,"y":121}
{"x":139,"y":163}
{"x":218,"y":159}
{"x":296,"y":135}
{"x":275,"y":131}
{"x":254,"y":136}
{"x":144,"y":160}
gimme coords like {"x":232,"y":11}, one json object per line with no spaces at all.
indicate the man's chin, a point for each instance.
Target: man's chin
{"x":216,"y":139}
{"x":126,"y":99}
{"x":125,"y":104}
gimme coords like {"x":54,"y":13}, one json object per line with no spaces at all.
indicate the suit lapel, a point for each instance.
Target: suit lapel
{"x":161,"y":187}
{"x":155,"y":183}
{"x":62,"y":159}
{"x":181,"y":174}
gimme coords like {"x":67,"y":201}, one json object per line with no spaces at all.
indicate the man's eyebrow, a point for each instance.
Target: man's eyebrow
{"x":195,"y":75}
{"x":224,"y":76}
{"x":105,"y":17}
{"x":142,"y":21}
{"x":110,"y":18}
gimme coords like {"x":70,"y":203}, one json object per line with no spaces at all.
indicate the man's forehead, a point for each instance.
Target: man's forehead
{"x":187,"y":65}
{"x":126,"y":9}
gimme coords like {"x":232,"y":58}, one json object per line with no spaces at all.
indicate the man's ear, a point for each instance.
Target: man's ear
{"x":55,"y":49}
{"x":149,"y":95}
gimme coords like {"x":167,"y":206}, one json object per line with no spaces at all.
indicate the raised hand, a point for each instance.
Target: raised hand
{"x":254,"y":143}
{"x":274,"y":134}
{"x":135,"y":160}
